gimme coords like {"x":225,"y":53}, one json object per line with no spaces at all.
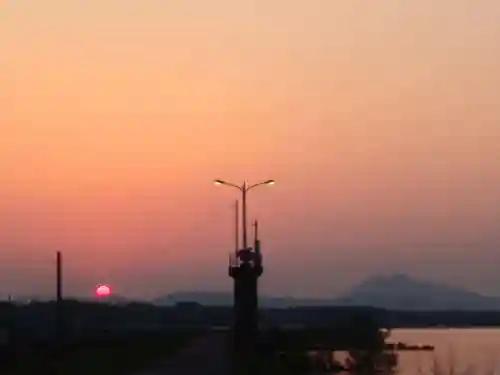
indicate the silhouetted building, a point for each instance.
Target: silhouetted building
{"x":245,"y":267}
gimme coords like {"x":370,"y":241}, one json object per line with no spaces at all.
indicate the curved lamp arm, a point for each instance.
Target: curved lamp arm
{"x":222,"y":182}
{"x":267,"y":182}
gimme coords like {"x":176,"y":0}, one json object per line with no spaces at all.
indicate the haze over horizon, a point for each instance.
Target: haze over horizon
{"x":380,"y":122}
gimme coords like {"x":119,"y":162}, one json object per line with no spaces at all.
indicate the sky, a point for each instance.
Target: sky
{"x":379,"y":120}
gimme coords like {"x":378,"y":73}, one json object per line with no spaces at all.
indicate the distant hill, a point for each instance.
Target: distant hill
{"x":401,"y":292}
{"x":219,"y":299}
{"x":204,"y":298}
{"x":112,"y":298}
{"x":395,"y":292}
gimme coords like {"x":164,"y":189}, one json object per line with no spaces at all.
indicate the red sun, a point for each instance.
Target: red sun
{"x":103,"y":291}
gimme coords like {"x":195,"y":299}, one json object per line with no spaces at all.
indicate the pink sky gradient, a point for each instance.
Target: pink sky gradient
{"x":379,"y":120}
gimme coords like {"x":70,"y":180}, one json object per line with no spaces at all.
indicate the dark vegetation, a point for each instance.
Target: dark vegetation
{"x":85,"y":318}
{"x":309,"y":349}
{"x":96,"y":338}
{"x":110,"y":354}
{"x":111,"y":338}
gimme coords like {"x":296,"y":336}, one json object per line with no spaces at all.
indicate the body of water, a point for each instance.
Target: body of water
{"x":457,"y":351}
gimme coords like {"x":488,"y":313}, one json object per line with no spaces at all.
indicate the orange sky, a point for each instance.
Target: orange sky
{"x":380,"y":121}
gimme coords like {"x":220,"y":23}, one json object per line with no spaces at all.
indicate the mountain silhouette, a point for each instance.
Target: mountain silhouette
{"x":401,"y":292}
{"x":395,"y":292}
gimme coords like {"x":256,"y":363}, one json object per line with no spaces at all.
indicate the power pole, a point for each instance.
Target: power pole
{"x":59,"y":300}
{"x":59,"y":277}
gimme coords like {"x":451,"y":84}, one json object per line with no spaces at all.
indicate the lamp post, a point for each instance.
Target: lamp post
{"x":244,"y":189}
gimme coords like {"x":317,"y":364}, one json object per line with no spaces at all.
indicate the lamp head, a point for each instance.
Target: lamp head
{"x":270,"y":182}
{"x":218,"y":182}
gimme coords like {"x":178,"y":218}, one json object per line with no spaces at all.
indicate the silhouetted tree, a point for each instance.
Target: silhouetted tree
{"x":369,"y":355}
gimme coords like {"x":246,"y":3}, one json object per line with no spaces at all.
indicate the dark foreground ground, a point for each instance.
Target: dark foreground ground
{"x":113,"y":356}
{"x":208,"y":354}
{"x":142,"y":336}
{"x":184,"y":352}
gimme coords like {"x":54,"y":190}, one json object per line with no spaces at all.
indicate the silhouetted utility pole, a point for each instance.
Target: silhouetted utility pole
{"x":59,"y":300}
{"x":59,"y":277}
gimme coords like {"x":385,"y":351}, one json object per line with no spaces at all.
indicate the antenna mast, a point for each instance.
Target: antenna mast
{"x":236,"y":228}
{"x":256,"y":231}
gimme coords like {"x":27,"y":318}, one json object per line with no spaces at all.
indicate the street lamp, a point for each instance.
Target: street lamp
{"x":244,"y":190}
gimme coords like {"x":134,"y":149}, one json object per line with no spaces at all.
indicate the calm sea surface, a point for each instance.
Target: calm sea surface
{"x":457,"y":351}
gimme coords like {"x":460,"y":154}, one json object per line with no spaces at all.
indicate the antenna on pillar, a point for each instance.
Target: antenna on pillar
{"x":236,"y":228}
{"x":257,"y":243}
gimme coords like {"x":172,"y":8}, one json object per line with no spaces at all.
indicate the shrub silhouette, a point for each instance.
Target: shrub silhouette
{"x":369,"y":355}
